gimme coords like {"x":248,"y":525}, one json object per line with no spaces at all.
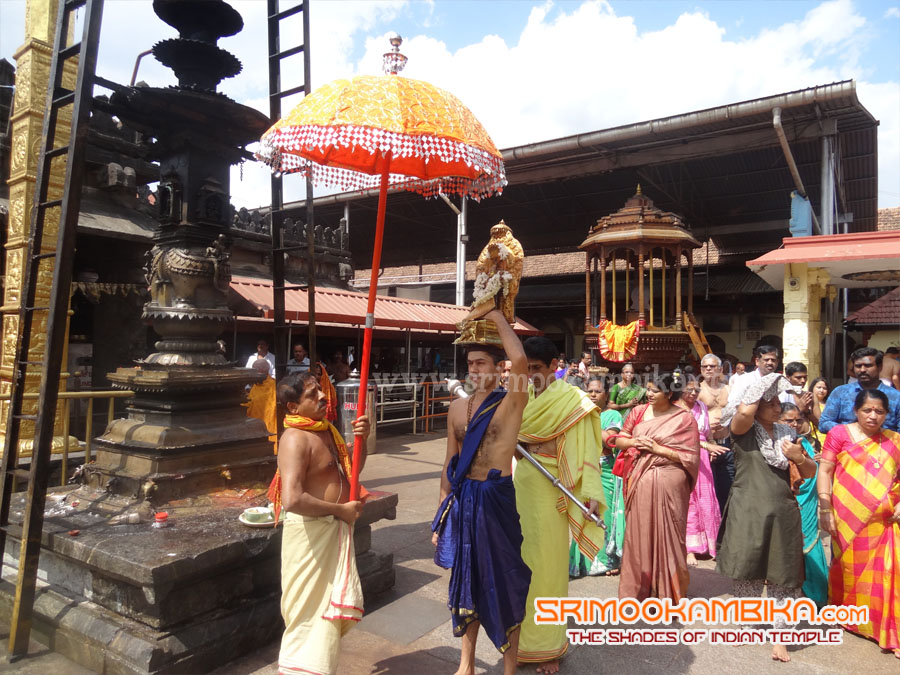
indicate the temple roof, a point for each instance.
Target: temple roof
{"x":639,"y":221}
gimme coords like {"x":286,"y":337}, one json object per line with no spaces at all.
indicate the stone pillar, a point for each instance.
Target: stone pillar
{"x":32,"y":80}
{"x":804,"y":288}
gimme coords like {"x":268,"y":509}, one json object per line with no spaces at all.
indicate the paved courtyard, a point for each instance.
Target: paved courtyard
{"x":407,"y":631}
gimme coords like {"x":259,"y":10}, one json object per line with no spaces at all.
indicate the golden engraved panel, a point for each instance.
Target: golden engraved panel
{"x":19,"y":200}
{"x":13,"y":289}
{"x":10,"y":340}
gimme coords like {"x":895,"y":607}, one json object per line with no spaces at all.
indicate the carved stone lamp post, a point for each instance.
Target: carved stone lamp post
{"x":186,"y":418}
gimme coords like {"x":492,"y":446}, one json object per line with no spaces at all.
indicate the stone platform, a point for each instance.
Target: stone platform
{"x":183,"y":599}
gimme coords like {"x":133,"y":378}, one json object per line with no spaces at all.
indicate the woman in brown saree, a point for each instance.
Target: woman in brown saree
{"x":664,"y":441}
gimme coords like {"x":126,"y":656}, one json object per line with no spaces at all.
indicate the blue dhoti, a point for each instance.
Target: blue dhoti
{"x":480,"y":540}
{"x":489,"y":582}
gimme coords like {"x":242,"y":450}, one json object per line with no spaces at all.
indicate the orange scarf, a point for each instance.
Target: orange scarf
{"x":307,"y":424}
{"x":330,"y":394}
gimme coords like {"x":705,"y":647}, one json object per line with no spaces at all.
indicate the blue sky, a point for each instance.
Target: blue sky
{"x":532,"y":70}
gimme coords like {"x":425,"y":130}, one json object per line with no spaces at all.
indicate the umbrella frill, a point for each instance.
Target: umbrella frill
{"x":342,"y":135}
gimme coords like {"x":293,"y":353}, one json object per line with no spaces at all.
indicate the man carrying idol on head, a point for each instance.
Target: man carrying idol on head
{"x":476,"y":529}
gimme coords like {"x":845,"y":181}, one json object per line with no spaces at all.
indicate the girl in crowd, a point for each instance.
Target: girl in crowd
{"x":859,"y":506}
{"x":662,"y":440}
{"x":819,"y":389}
{"x":703,"y":517}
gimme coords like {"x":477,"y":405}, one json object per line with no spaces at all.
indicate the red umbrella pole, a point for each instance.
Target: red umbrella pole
{"x":367,"y":335}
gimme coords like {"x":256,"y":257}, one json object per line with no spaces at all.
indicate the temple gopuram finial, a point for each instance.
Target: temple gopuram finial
{"x":639,"y":189}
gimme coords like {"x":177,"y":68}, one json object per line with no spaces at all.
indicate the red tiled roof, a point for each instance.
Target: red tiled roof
{"x":889,"y":219}
{"x":885,"y":311}
{"x":541,"y":265}
{"x":349,"y":308}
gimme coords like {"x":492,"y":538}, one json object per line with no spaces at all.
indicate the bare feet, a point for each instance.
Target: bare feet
{"x":691,"y":560}
{"x":612,"y":573}
{"x":465,"y":671}
{"x":548,"y":667}
{"x":779,"y":653}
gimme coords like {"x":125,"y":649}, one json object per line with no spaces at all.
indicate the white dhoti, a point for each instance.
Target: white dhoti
{"x":321,"y":597}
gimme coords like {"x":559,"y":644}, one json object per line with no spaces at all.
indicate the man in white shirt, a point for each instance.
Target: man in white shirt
{"x":765,"y":357}
{"x":583,"y":366}
{"x":300,"y":360}
{"x":262,"y":352}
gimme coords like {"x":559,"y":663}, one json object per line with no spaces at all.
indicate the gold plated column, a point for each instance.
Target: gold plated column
{"x":32,"y":80}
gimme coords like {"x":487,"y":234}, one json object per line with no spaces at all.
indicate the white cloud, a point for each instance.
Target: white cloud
{"x":589,"y":68}
{"x":892,"y":13}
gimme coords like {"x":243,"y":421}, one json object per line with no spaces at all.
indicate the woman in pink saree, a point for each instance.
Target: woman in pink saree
{"x":859,"y":506}
{"x":664,"y":442}
{"x":703,"y":517}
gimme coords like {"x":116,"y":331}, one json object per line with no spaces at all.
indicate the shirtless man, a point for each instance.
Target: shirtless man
{"x":890,"y":368}
{"x":484,"y":543}
{"x":714,"y":394}
{"x":313,"y":466}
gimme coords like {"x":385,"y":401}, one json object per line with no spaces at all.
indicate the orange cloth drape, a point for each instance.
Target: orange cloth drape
{"x":618,"y":343}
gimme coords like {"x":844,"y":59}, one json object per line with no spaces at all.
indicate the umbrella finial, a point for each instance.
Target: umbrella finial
{"x":394,"y":61}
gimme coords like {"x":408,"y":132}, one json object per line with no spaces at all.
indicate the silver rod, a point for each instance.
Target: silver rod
{"x":457,"y":389}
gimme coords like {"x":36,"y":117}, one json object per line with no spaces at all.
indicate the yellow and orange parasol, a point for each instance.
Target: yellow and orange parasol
{"x":385,"y":131}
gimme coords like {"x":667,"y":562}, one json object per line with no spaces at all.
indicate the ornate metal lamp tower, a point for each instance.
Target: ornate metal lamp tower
{"x":186,"y":415}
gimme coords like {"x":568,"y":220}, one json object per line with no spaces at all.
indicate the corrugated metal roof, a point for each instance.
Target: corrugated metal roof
{"x":721,"y":169}
{"x":348,"y":308}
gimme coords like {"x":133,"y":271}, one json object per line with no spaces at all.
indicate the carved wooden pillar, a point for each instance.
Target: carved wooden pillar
{"x":690,"y":302}
{"x":587,"y":290}
{"x":613,"y":261}
{"x":641,"y":286}
{"x":662,"y":295}
{"x":627,"y":284}
{"x":602,"y":284}
{"x":678,"y":323}
{"x":651,"y":287}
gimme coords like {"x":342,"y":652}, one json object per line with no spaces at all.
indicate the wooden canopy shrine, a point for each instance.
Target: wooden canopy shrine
{"x":639,"y":242}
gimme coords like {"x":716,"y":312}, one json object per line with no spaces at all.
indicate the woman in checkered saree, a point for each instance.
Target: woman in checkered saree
{"x":859,"y":505}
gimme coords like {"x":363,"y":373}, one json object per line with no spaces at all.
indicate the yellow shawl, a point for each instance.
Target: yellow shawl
{"x":565,"y":413}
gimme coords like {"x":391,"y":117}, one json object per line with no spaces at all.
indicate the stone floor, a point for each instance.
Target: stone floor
{"x":407,"y":631}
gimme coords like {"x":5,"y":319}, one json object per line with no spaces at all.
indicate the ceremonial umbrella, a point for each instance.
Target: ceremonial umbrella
{"x":380,"y":131}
